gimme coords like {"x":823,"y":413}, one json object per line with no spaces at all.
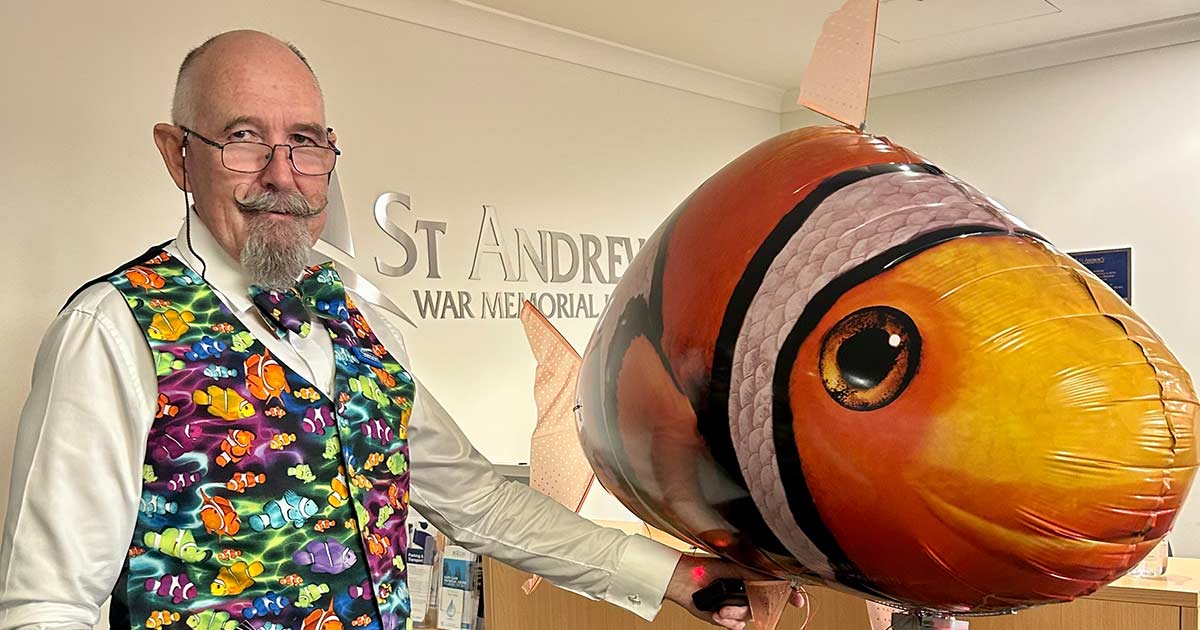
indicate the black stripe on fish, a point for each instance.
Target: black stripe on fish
{"x":800,"y":500}
{"x":642,"y":316}
{"x":740,"y":511}
{"x":712,"y":410}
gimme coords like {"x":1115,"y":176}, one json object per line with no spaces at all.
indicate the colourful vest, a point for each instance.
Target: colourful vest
{"x":265,"y":504}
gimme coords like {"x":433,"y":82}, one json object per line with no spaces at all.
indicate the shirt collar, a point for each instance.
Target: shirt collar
{"x":222,"y":273}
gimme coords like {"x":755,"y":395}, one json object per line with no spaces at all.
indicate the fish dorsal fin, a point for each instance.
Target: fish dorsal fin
{"x":557,"y":466}
{"x":837,"y":82}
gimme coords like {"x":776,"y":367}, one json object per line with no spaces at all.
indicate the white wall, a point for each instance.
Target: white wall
{"x":454,"y":122}
{"x":1093,"y":155}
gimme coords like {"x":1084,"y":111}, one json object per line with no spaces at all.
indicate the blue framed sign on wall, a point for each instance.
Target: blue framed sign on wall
{"x":1113,"y":266}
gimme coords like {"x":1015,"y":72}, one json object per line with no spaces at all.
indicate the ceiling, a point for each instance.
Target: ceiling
{"x":768,"y":41}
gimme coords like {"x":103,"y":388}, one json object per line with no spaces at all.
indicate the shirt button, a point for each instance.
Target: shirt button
{"x":634,"y":599}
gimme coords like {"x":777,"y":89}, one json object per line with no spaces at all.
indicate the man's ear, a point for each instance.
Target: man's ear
{"x":170,"y":142}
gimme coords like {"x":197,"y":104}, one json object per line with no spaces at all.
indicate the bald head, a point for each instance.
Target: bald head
{"x":244,"y":88}
{"x":214,"y":57}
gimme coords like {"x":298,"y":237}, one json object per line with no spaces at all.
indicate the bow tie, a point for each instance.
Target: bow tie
{"x":319,"y":290}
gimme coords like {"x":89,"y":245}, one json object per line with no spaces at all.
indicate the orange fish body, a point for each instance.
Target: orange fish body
{"x":385,"y":379}
{"x":234,"y":447}
{"x":308,"y":394}
{"x":340,"y":493}
{"x":833,"y":361}
{"x":218,"y":516}
{"x":242,"y":480}
{"x":363,"y":620}
{"x":223,"y":327}
{"x":377,"y":545}
{"x":225,"y":555}
{"x":160,"y":618}
{"x":281,"y":440}
{"x":324,"y":524}
{"x":265,"y":378}
{"x":324,"y":619}
{"x":165,"y":408}
{"x":144,"y":278}
{"x":291,"y":580}
{"x":360,"y":326}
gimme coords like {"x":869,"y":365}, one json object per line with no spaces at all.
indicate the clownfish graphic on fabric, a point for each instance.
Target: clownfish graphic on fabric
{"x":265,"y":502}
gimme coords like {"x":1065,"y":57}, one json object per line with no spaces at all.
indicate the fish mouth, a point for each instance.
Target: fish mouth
{"x":1091,"y":503}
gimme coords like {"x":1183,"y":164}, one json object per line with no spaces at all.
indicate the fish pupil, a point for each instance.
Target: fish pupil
{"x":867,"y":357}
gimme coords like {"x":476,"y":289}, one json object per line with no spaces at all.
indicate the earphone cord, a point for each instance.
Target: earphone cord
{"x":187,"y":214}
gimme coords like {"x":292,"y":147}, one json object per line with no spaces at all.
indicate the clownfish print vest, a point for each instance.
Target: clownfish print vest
{"x":265,"y":504}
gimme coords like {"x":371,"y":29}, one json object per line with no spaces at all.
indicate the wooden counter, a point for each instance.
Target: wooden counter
{"x":1166,"y":603}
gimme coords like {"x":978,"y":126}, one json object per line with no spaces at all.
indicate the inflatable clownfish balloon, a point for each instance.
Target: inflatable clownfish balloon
{"x":837,"y":362}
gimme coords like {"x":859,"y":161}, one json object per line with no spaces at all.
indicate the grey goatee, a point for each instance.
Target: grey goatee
{"x":276,"y":252}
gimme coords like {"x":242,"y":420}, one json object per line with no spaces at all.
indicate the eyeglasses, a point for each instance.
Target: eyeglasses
{"x":253,"y":157}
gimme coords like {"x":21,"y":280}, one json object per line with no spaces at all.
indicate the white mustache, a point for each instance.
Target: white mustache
{"x":292,"y":203}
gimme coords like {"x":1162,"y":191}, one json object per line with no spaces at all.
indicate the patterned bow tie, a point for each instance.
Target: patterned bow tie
{"x":319,"y":290}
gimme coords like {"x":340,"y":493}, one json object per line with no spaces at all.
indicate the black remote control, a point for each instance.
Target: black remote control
{"x":721,"y":593}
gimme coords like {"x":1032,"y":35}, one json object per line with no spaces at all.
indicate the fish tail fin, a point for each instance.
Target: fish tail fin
{"x":255,"y":569}
{"x":201,"y":397}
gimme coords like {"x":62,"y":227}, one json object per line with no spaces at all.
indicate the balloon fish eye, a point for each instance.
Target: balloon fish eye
{"x":869,"y":357}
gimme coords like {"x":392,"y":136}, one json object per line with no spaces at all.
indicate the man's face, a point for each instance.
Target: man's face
{"x":258,"y":91}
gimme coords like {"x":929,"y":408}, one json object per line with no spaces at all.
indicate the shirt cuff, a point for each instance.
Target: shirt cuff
{"x":642,"y":576}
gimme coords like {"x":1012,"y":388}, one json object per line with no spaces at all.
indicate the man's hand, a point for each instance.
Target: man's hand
{"x":693,"y":574}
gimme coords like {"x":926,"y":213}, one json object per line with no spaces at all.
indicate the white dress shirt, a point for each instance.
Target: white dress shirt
{"x":81,"y":444}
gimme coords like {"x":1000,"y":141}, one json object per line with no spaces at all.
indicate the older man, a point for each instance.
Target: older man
{"x":213,"y":443}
